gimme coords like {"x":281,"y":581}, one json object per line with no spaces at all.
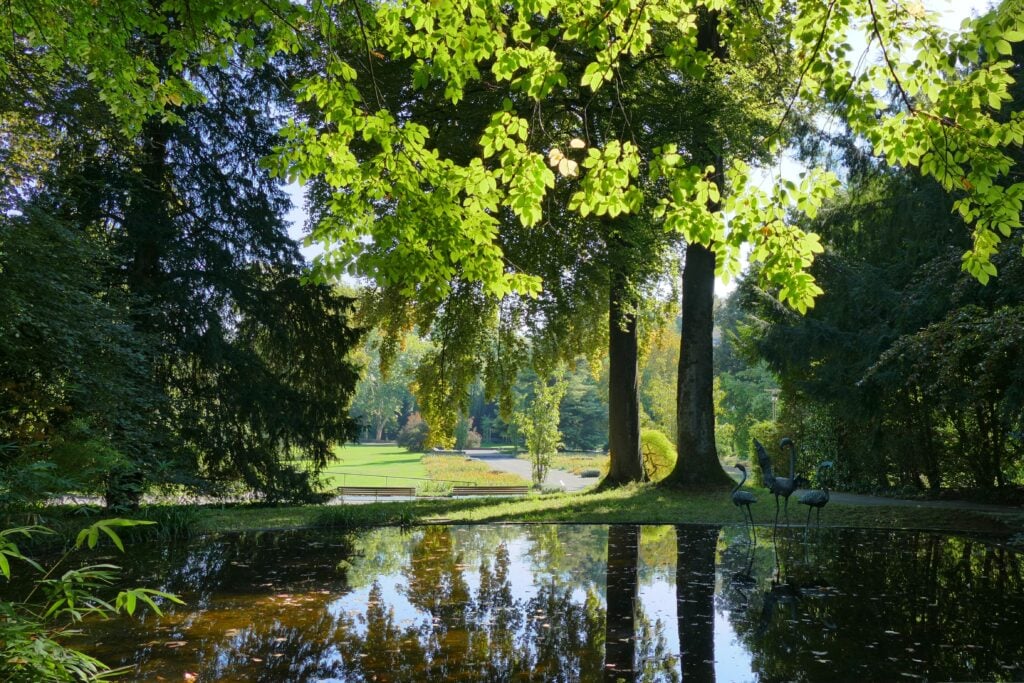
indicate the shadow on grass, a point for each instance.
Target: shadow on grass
{"x":635,"y":504}
{"x":645,"y":504}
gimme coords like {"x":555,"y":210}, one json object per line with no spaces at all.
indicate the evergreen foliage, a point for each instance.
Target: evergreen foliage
{"x":160,"y":331}
{"x":899,"y":373}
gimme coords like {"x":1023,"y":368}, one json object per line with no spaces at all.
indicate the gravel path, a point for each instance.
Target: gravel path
{"x":859,"y":499}
{"x":506,"y":463}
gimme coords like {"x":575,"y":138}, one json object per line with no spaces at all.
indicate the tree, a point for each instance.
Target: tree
{"x":967,"y":369}
{"x":538,"y":423}
{"x":250,"y":365}
{"x":894,"y":392}
{"x":381,"y":396}
{"x":413,"y":434}
{"x":520,"y":51}
{"x":584,"y":411}
{"x":658,"y":378}
{"x":74,"y":396}
{"x":444,"y":213}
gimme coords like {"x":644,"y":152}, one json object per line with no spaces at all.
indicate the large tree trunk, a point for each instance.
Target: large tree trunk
{"x":697,"y":462}
{"x":625,"y":463}
{"x":148,"y":229}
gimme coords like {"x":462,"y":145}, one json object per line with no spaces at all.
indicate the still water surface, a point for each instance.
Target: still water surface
{"x":556,"y":603}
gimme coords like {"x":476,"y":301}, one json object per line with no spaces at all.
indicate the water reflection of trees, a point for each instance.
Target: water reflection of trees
{"x":487,"y":636}
{"x":449,"y":606}
{"x":437,"y":603}
{"x":255,"y":604}
{"x":854,"y":605}
{"x":695,"y":600}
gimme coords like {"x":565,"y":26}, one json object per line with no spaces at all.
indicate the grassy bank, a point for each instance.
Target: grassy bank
{"x":641,"y":504}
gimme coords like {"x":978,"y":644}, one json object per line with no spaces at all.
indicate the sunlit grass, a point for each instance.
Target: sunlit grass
{"x":359,"y":465}
{"x":457,"y":468}
{"x":376,"y":465}
{"x":578,"y":463}
{"x":641,"y":504}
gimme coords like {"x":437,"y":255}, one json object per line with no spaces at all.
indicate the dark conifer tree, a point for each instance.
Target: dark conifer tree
{"x":251,"y":363}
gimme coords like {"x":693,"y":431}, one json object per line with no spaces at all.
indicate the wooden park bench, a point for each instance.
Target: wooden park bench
{"x":377,"y":491}
{"x":490,"y":490}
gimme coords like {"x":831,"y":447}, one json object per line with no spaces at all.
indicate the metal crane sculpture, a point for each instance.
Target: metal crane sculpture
{"x":744,"y":499}
{"x":779,"y":486}
{"x":816,"y":498}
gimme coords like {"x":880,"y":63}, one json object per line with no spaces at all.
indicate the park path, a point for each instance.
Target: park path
{"x":861,"y":499}
{"x":572,"y":482}
{"x":507,"y":463}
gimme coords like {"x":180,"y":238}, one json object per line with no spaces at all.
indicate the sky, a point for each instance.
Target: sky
{"x":951,"y":14}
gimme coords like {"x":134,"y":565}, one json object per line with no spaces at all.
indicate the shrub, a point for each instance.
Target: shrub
{"x":473,"y":439}
{"x":413,"y":435}
{"x":33,"y":626}
{"x":659,"y":455}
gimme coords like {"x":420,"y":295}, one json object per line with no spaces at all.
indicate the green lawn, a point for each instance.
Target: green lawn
{"x":644,"y":504}
{"x":394,"y":466}
{"x":375,"y":466}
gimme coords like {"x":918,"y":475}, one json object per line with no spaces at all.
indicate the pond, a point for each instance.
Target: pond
{"x":546,"y":602}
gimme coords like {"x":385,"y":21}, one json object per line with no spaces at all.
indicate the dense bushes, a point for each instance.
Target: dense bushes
{"x":659,"y":455}
{"x":413,"y":435}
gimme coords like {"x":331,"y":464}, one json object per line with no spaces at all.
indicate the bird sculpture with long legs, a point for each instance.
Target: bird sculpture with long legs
{"x":744,"y":499}
{"x":779,"y":486}
{"x":817,"y":498}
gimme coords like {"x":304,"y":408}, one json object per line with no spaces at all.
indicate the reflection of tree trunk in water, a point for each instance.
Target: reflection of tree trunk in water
{"x":695,"y":601}
{"x":622,"y":593}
